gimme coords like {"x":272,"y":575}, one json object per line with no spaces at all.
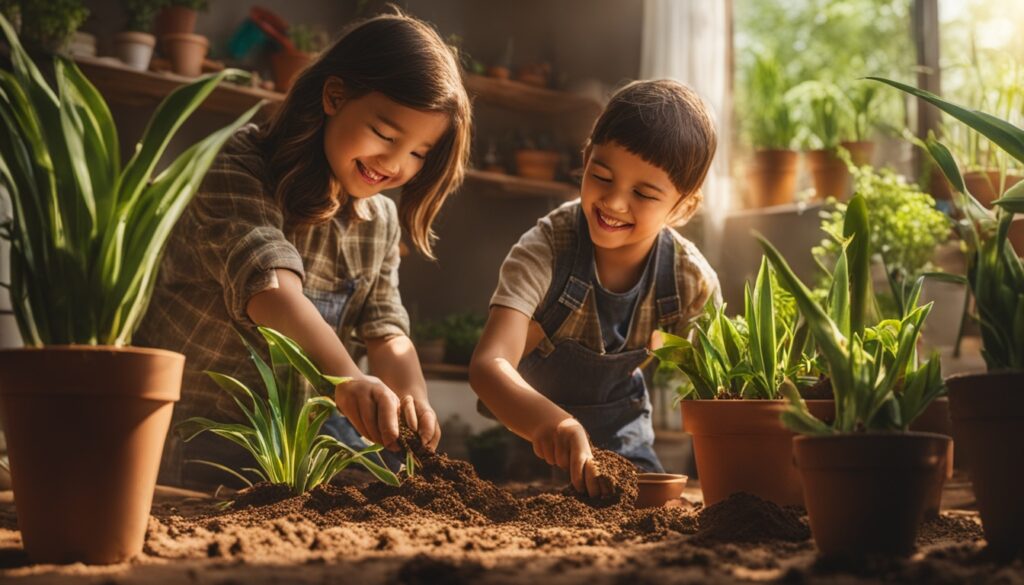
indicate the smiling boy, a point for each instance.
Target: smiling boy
{"x":581,"y":294}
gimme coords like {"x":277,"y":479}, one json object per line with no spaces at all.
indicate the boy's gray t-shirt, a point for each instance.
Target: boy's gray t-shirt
{"x":615,"y":310}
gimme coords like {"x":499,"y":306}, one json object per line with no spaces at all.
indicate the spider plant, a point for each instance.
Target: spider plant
{"x":995,"y":274}
{"x":875,"y":373}
{"x":283,"y":431}
{"x":748,"y":357}
{"x":87,"y":233}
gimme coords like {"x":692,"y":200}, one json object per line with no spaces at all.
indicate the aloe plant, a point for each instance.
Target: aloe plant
{"x":876,"y":377}
{"x":995,"y":273}
{"x":283,"y":431}
{"x":88,"y":233}
{"x":749,"y":357}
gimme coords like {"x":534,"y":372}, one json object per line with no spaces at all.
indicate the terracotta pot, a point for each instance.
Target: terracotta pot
{"x":1017,"y":234}
{"x":173,"y":20}
{"x":430,"y":351}
{"x":771,"y":177}
{"x":134,"y":49}
{"x":186,"y":52}
{"x":984,"y":185}
{"x":935,"y":419}
{"x":537,"y":164}
{"x":988,"y":418}
{"x":828,"y":173}
{"x":864,"y":492}
{"x":861,"y":152}
{"x":741,"y":446}
{"x":286,"y":66}
{"x":85,"y":429}
{"x":659,"y":489}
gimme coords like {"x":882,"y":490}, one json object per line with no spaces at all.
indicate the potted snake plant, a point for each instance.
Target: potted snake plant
{"x":988,"y":408}
{"x":770,"y":128}
{"x":731,"y":400}
{"x":866,"y":476}
{"x":86,"y":239}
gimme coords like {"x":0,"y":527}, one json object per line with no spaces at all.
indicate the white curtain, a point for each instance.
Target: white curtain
{"x":688,"y":40}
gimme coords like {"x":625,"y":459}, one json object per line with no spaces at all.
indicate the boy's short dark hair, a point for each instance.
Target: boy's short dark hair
{"x":666,"y":124}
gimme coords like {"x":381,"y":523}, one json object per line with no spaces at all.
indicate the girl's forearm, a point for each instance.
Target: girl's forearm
{"x":287,"y":310}
{"x":393,"y":359}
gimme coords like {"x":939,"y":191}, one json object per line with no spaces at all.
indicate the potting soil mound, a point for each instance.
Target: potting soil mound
{"x":743,"y":517}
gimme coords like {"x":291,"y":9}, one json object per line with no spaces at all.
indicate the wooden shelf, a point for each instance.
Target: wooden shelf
{"x":445,"y":372}
{"x":122,"y":84}
{"x":502,"y":185}
{"x":522,"y":97}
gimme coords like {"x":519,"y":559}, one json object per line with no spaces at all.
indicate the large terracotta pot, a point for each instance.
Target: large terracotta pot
{"x":771,"y":177}
{"x":287,"y":65}
{"x":864,"y":492}
{"x":741,"y":446}
{"x":988,"y":418}
{"x":984,"y":185}
{"x":829,"y":174}
{"x":861,"y":151}
{"x":537,"y":164}
{"x":85,"y":429}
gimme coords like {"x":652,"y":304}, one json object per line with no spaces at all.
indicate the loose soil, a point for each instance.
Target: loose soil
{"x":446,"y":525}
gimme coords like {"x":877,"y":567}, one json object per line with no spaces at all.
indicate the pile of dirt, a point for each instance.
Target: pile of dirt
{"x":744,"y":517}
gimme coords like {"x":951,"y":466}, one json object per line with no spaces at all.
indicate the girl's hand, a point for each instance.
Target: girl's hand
{"x":371,"y":407}
{"x":567,"y":445}
{"x":421,"y":418}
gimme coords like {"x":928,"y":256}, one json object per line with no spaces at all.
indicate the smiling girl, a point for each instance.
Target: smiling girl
{"x":582,"y":293}
{"x":289,"y":231}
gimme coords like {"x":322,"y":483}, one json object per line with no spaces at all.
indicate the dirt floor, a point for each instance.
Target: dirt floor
{"x":446,"y":526}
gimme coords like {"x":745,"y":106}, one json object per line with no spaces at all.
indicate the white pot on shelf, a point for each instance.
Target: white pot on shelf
{"x":135,"y":49}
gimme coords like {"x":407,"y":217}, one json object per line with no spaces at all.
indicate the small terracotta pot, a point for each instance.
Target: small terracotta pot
{"x":988,"y":419}
{"x":1017,"y":234}
{"x":742,"y":446}
{"x":861,"y":152}
{"x":186,"y":52}
{"x":771,"y":177}
{"x":287,"y":65}
{"x":537,"y":164}
{"x":864,"y":492}
{"x":828,"y":173}
{"x":174,"y":20}
{"x":659,"y":489}
{"x":984,"y":185}
{"x":85,"y":429}
{"x":134,"y":49}
{"x":430,"y":351}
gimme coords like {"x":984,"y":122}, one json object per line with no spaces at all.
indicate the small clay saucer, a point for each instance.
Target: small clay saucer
{"x":659,"y":489}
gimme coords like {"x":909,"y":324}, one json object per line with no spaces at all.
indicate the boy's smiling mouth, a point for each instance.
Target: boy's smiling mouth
{"x":606,"y":222}
{"x":370,"y":176}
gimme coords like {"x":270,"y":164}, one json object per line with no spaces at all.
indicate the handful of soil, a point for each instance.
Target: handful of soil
{"x":617,"y":477}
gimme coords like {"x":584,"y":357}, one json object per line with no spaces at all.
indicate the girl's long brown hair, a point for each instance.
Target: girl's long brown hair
{"x":402,"y":58}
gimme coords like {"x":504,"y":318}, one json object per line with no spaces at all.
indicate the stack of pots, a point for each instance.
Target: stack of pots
{"x":185,"y":50}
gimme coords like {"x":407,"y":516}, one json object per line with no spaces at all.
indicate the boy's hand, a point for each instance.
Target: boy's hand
{"x":371,"y":407}
{"x":567,"y":445}
{"x":420,"y":417}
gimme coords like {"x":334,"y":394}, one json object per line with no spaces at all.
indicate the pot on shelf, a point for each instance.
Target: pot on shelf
{"x":134,"y":49}
{"x":186,"y":52}
{"x":287,"y":65}
{"x":771,"y":177}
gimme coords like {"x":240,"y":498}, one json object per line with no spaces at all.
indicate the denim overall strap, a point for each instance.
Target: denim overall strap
{"x":570,"y":282}
{"x":666,"y":285}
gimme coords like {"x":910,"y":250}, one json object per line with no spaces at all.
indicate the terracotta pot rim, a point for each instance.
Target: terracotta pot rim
{"x":187,"y":37}
{"x":871,"y":436}
{"x":984,"y":375}
{"x":70,"y":348}
{"x":661,"y":478}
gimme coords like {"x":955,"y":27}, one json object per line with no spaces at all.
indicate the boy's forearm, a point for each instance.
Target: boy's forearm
{"x":515,"y":403}
{"x":394,"y":360}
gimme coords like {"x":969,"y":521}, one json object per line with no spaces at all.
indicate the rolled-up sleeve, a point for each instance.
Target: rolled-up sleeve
{"x":526,"y":272}
{"x":383,"y":314}
{"x":239,"y":237}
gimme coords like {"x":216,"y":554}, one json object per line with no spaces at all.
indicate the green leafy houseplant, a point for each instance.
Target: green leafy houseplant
{"x":141,"y":13}
{"x":308,"y":39}
{"x":283,"y":432}
{"x":875,"y":373}
{"x":823,"y":113}
{"x":462,"y":332}
{"x":49,"y":25}
{"x":768,"y":121}
{"x":88,"y":233}
{"x":746,"y":357}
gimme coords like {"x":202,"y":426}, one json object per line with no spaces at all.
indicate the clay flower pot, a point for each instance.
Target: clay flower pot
{"x":861,"y":151}
{"x":659,"y":489}
{"x":988,"y":418}
{"x":85,"y":430}
{"x":134,"y":49}
{"x":186,"y":52}
{"x":984,"y":185}
{"x":537,"y":164}
{"x":174,"y":20}
{"x":286,"y":66}
{"x":771,"y":177}
{"x":828,"y":173}
{"x":864,"y":492}
{"x":431,"y":351}
{"x":741,"y":446}
{"x":936,"y":419}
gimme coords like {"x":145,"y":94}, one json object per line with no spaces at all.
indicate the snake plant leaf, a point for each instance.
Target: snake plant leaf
{"x":1013,"y":199}
{"x":858,"y":252}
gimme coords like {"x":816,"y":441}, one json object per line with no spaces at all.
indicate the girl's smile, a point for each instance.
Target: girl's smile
{"x":368,"y":175}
